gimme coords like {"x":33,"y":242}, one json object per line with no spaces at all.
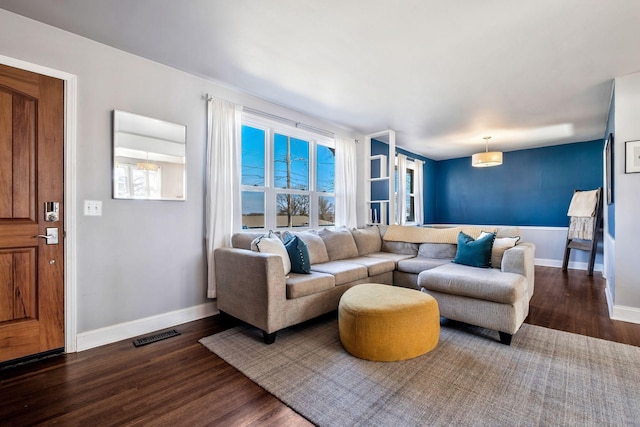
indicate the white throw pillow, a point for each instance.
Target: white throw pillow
{"x":500,"y":245}
{"x":271,"y":244}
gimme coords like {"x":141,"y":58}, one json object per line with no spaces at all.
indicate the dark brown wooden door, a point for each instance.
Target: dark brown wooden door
{"x":31,"y":173}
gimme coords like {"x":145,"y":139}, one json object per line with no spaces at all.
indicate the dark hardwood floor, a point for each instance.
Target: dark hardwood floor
{"x":178,"y":382}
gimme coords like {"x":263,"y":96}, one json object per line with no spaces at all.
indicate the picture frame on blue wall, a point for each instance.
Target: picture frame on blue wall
{"x":632,"y":156}
{"x":608,"y":173}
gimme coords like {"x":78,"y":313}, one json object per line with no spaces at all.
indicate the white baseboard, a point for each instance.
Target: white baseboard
{"x":572,"y":264}
{"x":122,"y":331}
{"x":607,"y":293}
{"x":626,"y":314}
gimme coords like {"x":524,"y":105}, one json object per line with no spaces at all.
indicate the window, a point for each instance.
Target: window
{"x":410,"y":194}
{"x":136,"y":183}
{"x":287,"y":177}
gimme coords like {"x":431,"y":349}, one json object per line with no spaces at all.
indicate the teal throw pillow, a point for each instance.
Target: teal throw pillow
{"x":298,"y":254}
{"x":474,"y":253}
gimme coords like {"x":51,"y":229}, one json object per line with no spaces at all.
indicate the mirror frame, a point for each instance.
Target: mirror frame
{"x":135,"y":136}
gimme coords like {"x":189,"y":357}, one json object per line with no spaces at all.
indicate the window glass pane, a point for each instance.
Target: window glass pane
{"x":252,"y":156}
{"x":325,"y":168}
{"x":122,"y":181}
{"x":292,"y":210}
{"x":409,"y":181}
{"x":291,"y":163}
{"x":395,"y":180}
{"x":252,"y":209}
{"x":410,"y":209}
{"x":154,"y":184}
{"x":326,"y":211}
{"x":146,"y":184}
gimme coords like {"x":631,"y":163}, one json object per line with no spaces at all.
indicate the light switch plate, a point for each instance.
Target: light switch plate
{"x":93,"y":208}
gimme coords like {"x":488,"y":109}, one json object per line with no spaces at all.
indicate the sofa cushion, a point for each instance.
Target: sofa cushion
{"x":390,"y":256}
{"x":375,"y":265}
{"x":418,"y":264}
{"x":438,"y":250}
{"x":402,"y":233}
{"x":300,"y":285}
{"x":367,"y":240}
{"x":315,"y":245}
{"x":511,"y":231}
{"x":339,"y":243}
{"x":271,"y":244}
{"x":402,"y":248}
{"x":243,"y":240}
{"x":342,"y":271}
{"x":488,"y":284}
{"x":474,"y":253}
{"x":298,"y":255}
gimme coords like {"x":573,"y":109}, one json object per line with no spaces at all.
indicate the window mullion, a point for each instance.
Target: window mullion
{"x":270,"y":194}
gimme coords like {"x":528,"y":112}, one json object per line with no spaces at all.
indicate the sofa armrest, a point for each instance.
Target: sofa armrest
{"x":521,"y":260}
{"x":251,"y":286}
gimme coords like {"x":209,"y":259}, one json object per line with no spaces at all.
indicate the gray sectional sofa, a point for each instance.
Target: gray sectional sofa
{"x":252,"y":286}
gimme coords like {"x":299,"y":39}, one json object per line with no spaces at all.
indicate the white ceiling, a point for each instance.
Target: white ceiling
{"x":442,"y":74}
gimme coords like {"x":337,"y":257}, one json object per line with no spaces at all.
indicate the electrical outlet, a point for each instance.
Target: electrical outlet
{"x":93,"y":208}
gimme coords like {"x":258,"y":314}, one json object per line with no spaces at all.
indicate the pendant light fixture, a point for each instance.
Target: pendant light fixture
{"x":147,"y":166}
{"x":487,"y":158}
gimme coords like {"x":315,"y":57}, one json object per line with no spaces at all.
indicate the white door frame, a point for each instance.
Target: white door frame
{"x":70,"y":128}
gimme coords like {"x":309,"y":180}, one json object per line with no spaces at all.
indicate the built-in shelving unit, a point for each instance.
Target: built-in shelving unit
{"x":379,"y":180}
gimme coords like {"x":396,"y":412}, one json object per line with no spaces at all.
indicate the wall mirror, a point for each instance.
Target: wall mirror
{"x":149,"y":158}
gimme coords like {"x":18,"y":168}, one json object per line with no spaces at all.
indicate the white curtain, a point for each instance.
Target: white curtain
{"x":222,"y":178}
{"x":401,"y":201}
{"x":346,"y":182}
{"x":418,"y":189}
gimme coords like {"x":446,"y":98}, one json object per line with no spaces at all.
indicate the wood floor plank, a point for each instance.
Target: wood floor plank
{"x":178,"y":382}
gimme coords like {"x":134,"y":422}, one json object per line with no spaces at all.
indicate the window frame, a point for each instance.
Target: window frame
{"x":270,"y":128}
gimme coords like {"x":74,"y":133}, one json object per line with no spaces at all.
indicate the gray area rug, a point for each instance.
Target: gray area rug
{"x":544,"y":378}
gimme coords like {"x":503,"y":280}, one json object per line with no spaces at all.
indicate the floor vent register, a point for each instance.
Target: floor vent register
{"x":155,"y":337}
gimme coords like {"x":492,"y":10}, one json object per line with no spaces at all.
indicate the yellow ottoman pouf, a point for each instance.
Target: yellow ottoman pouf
{"x":387,"y":323}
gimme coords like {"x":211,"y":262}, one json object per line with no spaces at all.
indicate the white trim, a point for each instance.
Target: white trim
{"x":122,"y":331}
{"x":608,"y":273}
{"x":626,"y":314}
{"x":521,"y":227}
{"x":70,"y":132}
{"x":609,"y":296}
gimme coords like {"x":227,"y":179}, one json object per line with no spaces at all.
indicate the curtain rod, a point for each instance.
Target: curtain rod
{"x":294,"y":123}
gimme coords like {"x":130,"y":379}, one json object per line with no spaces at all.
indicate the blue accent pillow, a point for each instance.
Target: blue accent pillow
{"x":298,"y":254}
{"x":474,"y":253}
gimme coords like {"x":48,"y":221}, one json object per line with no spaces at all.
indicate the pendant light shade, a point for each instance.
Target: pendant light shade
{"x":147,"y":166}
{"x":487,"y":158}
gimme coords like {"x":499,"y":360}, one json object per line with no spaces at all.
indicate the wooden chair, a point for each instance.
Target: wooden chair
{"x":583,"y":233}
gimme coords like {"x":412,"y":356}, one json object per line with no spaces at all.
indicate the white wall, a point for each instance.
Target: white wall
{"x":627,"y":198}
{"x":140,"y":259}
{"x":550,"y":244}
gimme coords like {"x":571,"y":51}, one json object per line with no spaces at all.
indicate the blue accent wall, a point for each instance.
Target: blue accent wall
{"x":611,"y":129}
{"x":532,"y":187}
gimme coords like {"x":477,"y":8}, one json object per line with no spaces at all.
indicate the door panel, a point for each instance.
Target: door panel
{"x":31,"y":173}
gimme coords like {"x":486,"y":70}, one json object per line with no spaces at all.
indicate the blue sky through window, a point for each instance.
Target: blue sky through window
{"x":253,"y":156}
